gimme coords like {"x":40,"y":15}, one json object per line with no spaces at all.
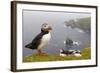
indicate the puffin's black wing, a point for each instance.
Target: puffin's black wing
{"x":35,"y":42}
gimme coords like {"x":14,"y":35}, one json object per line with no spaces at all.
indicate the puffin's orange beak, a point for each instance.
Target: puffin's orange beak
{"x":49,"y":28}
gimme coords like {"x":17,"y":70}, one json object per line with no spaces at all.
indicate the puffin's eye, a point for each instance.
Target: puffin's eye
{"x":45,"y":26}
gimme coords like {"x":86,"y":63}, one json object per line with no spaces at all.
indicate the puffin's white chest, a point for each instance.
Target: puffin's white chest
{"x":45,"y":40}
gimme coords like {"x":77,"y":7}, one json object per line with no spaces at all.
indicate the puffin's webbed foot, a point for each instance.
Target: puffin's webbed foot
{"x":41,"y":53}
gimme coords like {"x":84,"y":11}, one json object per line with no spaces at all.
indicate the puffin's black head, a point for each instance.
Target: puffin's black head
{"x":46,"y":27}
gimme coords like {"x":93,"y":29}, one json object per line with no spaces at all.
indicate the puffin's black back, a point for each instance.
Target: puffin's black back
{"x":36,"y":41}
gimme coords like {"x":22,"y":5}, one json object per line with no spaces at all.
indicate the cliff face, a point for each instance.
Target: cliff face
{"x":82,"y":23}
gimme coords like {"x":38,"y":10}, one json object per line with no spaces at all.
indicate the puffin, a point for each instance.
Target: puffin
{"x":66,"y":52}
{"x":42,"y":39}
{"x":76,"y":53}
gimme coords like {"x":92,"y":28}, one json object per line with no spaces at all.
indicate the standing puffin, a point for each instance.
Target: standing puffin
{"x":42,"y":39}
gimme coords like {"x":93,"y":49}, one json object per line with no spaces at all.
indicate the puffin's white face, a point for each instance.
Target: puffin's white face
{"x":61,"y":50}
{"x":46,"y":27}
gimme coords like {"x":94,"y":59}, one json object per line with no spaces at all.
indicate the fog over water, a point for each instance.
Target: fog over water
{"x":32,"y":21}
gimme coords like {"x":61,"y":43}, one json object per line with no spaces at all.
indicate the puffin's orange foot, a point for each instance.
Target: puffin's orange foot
{"x":40,"y":53}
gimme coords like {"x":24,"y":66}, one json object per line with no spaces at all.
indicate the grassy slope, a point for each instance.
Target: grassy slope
{"x":45,"y":57}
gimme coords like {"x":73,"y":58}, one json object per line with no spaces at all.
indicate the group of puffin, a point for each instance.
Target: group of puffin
{"x":43,"y":38}
{"x":70,"y":52}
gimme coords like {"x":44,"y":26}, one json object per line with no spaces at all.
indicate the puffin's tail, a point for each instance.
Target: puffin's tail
{"x":28,"y":45}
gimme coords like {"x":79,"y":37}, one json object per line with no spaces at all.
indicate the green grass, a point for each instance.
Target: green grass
{"x":86,"y":54}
